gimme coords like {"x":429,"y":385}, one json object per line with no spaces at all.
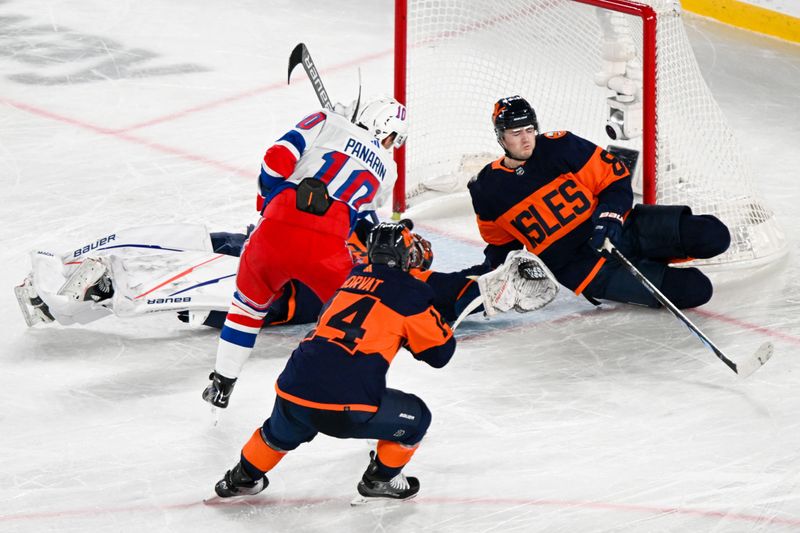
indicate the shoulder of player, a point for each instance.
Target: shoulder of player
{"x":396,"y":289}
{"x":556,"y":137}
{"x":314,"y":119}
{"x":336,"y":120}
{"x":326,"y":118}
{"x":562,"y":139}
{"x":487,"y":174}
{"x":559,"y":146}
{"x":341,"y":128}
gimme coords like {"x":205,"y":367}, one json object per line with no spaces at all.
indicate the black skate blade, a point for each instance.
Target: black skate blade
{"x":359,"y":500}
{"x":216,"y":499}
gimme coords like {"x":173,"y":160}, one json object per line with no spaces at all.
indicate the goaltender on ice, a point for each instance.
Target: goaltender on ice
{"x":561,"y":196}
{"x":184,"y":269}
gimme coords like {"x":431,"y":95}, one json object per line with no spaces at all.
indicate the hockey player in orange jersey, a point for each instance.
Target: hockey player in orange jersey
{"x":335,"y":381}
{"x":560,"y":196}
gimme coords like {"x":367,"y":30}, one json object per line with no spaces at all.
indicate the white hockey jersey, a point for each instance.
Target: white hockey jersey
{"x":327,"y":146}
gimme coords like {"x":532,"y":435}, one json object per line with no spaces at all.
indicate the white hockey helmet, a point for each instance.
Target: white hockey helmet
{"x":382,"y":116}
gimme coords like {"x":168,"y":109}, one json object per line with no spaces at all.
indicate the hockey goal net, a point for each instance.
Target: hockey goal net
{"x":578,"y":62}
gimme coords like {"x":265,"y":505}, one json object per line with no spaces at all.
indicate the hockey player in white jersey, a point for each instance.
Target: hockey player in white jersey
{"x":315,"y":181}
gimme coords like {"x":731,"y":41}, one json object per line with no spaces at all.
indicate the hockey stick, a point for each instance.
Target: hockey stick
{"x":300,"y":55}
{"x":358,"y":100}
{"x":474,"y":304}
{"x":744,"y":368}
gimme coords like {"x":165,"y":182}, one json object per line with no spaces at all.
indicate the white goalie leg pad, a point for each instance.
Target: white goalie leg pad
{"x":522,"y":283}
{"x":86,"y":275}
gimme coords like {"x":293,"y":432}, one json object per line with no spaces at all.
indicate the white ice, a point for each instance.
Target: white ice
{"x":569,"y":419}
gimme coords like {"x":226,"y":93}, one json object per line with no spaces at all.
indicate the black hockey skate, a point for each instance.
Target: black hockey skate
{"x":103,"y":289}
{"x":372,"y":487}
{"x":237,"y":483}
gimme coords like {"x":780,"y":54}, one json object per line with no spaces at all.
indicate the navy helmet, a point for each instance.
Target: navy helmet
{"x":390,"y":244}
{"x":513,"y":112}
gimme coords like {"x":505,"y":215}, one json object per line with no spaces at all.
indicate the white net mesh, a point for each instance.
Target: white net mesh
{"x":464,"y":56}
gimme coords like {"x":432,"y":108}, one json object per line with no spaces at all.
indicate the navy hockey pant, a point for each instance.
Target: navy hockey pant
{"x":402,"y":418}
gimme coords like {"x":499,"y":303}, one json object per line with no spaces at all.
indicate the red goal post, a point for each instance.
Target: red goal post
{"x":648,"y":17}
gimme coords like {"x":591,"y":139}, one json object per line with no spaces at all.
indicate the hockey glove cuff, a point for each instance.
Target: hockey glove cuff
{"x":219,"y":390}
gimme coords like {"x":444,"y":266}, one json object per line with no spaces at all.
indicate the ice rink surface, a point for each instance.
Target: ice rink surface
{"x":117,"y":114}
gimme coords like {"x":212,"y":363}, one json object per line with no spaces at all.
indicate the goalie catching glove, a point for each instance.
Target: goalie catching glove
{"x":522,"y":283}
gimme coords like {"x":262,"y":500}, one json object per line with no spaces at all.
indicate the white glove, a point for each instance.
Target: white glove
{"x":522,"y":283}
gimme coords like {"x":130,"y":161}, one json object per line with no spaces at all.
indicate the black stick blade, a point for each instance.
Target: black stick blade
{"x":295,"y":59}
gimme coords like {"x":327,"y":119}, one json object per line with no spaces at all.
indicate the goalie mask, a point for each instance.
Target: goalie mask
{"x":511,"y":113}
{"x":390,"y":244}
{"x":383,"y":116}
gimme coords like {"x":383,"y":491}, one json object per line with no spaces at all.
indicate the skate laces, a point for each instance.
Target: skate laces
{"x":399,"y":482}
{"x":104,"y":283}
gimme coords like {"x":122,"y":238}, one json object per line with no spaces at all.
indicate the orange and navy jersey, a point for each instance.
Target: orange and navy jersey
{"x":547,"y":203}
{"x":342,"y":363}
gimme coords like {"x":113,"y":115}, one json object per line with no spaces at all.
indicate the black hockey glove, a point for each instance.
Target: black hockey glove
{"x":607,"y":225}
{"x":407,"y":222}
{"x":219,"y":390}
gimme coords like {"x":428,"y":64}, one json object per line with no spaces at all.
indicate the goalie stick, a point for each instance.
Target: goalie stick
{"x":300,"y":55}
{"x":743,"y":368}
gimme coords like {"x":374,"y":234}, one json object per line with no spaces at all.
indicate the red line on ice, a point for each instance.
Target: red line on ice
{"x":127,"y":137}
{"x":121,"y":133}
{"x":250,"y":93}
{"x":533,"y":502}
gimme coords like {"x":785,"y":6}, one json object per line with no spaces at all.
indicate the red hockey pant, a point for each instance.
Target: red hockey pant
{"x":291,"y":244}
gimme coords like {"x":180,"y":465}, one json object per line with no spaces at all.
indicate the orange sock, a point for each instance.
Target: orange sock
{"x":259,"y":454}
{"x":394,"y":454}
